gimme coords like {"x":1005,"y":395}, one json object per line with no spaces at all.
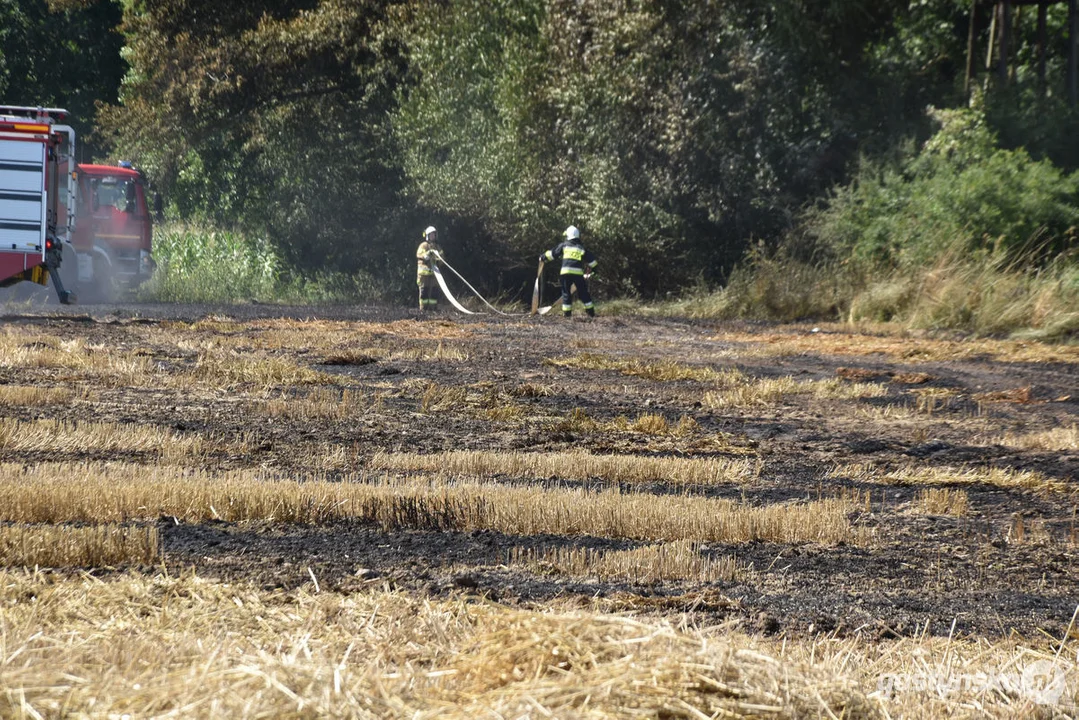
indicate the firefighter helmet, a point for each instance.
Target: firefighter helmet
{"x":429,"y":232}
{"x":572,"y":233}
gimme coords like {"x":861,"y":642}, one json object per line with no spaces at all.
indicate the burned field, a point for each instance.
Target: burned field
{"x":790,"y":485}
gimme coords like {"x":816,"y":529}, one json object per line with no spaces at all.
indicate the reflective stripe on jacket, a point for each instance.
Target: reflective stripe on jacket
{"x":574,"y":258}
{"x":422,"y":266}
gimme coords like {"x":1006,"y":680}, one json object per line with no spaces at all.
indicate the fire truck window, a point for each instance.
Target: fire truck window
{"x":129,"y":199}
{"x":84,"y":191}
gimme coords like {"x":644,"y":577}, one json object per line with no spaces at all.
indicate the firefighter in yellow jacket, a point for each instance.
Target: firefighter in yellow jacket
{"x":577,"y":265}
{"x":427,"y":255}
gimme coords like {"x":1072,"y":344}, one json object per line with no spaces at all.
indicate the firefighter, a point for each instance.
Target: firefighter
{"x":426,"y":262}
{"x":576,"y":261}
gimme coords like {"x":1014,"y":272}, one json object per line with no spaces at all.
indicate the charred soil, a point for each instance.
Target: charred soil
{"x":882,"y":421}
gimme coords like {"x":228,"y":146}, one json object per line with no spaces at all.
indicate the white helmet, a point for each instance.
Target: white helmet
{"x":429,"y":232}
{"x":572,"y":233}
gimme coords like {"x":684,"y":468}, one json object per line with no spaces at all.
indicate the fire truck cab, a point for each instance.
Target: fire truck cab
{"x":113,"y":229}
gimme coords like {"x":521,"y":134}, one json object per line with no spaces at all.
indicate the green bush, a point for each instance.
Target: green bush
{"x":197,"y":263}
{"x":201,"y":264}
{"x":960,"y":196}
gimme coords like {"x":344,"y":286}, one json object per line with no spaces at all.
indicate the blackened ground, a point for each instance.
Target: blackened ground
{"x":919,"y":573}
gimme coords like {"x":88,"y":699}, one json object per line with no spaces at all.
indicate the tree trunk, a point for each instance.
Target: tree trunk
{"x":1043,"y":9}
{"x":1073,"y":52}
{"x":1005,"y":10}
{"x":970,"y":47}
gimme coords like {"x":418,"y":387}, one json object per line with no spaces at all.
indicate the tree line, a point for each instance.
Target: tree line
{"x":677,"y":134}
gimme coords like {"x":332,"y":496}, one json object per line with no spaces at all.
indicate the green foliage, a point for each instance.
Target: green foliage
{"x":961,"y":195}
{"x":667,"y":153}
{"x":335,"y":288}
{"x":199,"y":264}
{"x":675,"y":134}
{"x":271,"y":116}
{"x":61,"y":53}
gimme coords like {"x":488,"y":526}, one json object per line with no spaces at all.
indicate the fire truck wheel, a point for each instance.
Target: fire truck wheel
{"x":103,"y":289}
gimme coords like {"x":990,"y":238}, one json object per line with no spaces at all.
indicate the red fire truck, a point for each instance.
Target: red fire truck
{"x":88,"y":227}
{"x":37,"y":191}
{"x":113,"y":232}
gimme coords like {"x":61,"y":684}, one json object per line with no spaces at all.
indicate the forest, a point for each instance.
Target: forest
{"x":842,"y":159}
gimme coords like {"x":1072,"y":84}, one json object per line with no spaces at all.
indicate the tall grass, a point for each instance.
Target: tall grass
{"x":962,"y":234}
{"x":200,"y":263}
{"x":679,"y":560}
{"x":577,"y":465}
{"x":981,"y":294}
{"x":985,"y":296}
{"x":197,"y":263}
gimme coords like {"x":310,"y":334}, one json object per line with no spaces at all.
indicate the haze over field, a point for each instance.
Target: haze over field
{"x":828,"y":159}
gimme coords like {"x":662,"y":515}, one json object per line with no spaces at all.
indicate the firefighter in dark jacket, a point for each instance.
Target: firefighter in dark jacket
{"x":576,"y":262}
{"x":426,"y":261}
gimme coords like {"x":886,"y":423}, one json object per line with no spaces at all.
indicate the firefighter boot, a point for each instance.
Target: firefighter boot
{"x":591,"y":312}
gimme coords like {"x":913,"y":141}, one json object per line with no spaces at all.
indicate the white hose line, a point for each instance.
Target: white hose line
{"x":449,"y":296}
{"x":443,"y":261}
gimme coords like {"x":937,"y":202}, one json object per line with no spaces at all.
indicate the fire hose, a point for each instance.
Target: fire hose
{"x":453,"y":300}
{"x":449,"y":296}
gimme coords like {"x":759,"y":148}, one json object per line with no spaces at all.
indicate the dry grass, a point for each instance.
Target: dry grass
{"x":440,"y":352}
{"x":191,"y":647}
{"x":38,"y":396}
{"x":651,"y":424}
{"x":323,"y":335}
{"x":352,"y":356}
{"x":943,"y":501}
{"x":679,"y":560}
{"x":1022,"y":531}
{"x":483,"y":400}
{"x":918,"y":424}
{"x":1061,"y":439}
{"x":105,"y":493}
{"x":576,"y":421}
{"x":895,"y":343}
{"x":531,"y":390}
{"x":769,"y":391}
{"x":105,"y":365}
{"x":255,"y":373}
{"x":504,"y":412}
{"x":89,"y":547}
{"x":659,"y":370}
{"x":577,"y":465}
{"x":685,"y":436}
{"x":438,"y":398}
{"x":911,"y":378}
{"x":75,"y":437}
{"x":200,"y":648}
{"x":943,"y":476}
{"x":1017,"y":396}
{"x":932,"y":400}
{"x":319,"y":404}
